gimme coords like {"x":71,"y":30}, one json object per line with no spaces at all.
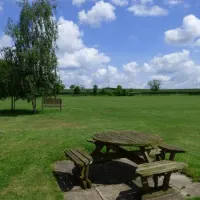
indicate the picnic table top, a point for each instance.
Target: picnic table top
{"x":127,"y":138}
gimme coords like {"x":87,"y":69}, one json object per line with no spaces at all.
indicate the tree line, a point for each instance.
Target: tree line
{"x":28,"y":69}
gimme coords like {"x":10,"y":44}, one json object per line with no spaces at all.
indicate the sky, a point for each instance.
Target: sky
{"x":123,"y":42}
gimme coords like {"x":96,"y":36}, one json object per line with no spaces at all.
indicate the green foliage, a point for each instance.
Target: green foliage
{"x":72,"y":87}
{"x":95,"y":90}
{"x":154,"y":84}
{"x":77,"y":90}
{"x":35,"y":60}
{"x":102,"y":92}
{"x":119,"y":90}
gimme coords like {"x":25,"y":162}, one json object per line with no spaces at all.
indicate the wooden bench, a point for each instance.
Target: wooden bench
{"x":52,"y":102}
{"x":82,"y":161}
{"x":172,"y":150}
{"x":155,"y":169}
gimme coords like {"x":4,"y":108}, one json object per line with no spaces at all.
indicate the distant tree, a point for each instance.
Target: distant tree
{"x":59,"y":86}
{"x":95,"y":90}
{"x":77,"y":90}
{"x":154,"y":84}
{"x":82,"y":87}
{"x":72,"y":87}
{"x":119,"y":90}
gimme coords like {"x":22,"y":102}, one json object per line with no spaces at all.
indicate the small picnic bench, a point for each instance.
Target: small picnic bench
{"x":156,"y":169}
{"x":82,"y":161}
{"x":52,"y":102}
{"x":172,"y":150}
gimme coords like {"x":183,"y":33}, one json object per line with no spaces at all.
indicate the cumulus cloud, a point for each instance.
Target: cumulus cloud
{"x":5,"y":41}
{"x":120,"y":2}
{"x":131,"y":67}
{"x":161,"y":78}
{"x":173,"y":2}
{"x":78,"y":2}
{"x":144,"y":10}
{"x":69,"y":36}
{"x":186,"y":34}
{"x":72,"y":52}
{"x":85,"y":58}
{"x":100,"y":12}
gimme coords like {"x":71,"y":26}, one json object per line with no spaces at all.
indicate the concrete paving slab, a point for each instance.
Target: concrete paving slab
{"x":192,"y":190}
{"x":91,"y":194}
{"x":180,"y":180}
{"x":174,"y":196}
{"x":117,"y":192}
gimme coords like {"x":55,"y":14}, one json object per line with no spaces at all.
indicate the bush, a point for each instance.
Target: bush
{"x":77,"y":90}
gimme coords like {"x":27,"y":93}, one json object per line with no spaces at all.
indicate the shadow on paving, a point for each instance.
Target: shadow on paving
{"x":109,"y":173}
{"x":15,"y":113}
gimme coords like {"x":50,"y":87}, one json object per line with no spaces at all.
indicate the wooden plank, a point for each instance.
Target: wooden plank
{"x":159,"y":167}
{"x":73,"y":157}
{"x":127,"y":138}
{"x":87,"y":156}
{"x":80,"y":156}
{"x":170,"y":148}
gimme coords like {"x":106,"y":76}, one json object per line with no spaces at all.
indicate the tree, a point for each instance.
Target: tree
{"x":35,"y":37}
{"x":77,"y":90}
{"x":154,"y":84}
{"x":72,"y":87}
{"x":58,"y":87}
{"x":95,"y":90}
{"x":11,"y":83}
{"x":119,"y":90}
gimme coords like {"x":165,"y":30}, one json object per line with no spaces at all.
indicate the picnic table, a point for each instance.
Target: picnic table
{"x":147,"y":145}
{"x":149,"y":154}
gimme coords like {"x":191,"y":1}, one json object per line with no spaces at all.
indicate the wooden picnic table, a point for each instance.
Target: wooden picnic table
{"x":114,"y":140}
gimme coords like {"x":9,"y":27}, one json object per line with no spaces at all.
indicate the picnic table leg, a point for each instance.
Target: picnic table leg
{"x":145,"y":154}
{"x":155,"y":178}
{"x":145,"y":184}
{"x":86,"y":177}
{"x":98,"y":148}
{"x":166,"y":180}
{"x":172,"y":156}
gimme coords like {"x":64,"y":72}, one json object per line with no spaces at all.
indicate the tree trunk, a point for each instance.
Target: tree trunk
{"x":34,"y":105}
{"x":12,"y":104}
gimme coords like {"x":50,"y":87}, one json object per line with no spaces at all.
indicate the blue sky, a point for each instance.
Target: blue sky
{"x":126,"y":42}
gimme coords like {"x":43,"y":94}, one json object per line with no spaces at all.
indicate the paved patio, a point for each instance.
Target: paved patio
{"x":113,"y":181}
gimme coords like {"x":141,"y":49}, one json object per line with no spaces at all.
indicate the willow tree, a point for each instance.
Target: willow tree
{"x":34,"y":37}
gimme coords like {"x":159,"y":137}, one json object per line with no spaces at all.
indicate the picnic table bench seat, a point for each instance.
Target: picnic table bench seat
{"x":82,"y":160}
{"x":155,"y":169}
{"x":172,"y":150}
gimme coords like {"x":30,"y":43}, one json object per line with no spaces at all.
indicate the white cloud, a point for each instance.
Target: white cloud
{"x":120,"y":2}
{"x":197,"y":43}
{"x":100,"y":12}
{"x":146,"y":1}
{"x":173,"y":2}
{"x":170,"y":63}
{"x":131,"y":67}
{"x":5,"y":41}
{"x":161,"y":78}
{"x":69,"y":36}
{"x":186,"y":34}
{"x":144,"y":10}
{"x":83,"y":58}
{"x":78,"y":2}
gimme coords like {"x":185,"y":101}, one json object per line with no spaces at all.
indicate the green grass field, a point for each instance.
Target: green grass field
{"x":31,"y":144}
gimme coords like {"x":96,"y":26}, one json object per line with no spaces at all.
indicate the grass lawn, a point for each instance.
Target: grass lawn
{"x":31,"y":144}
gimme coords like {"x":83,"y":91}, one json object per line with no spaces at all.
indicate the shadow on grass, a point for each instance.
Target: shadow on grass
{"x":20,"y":112}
